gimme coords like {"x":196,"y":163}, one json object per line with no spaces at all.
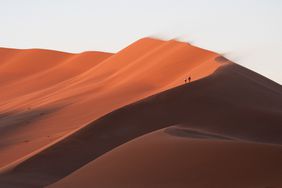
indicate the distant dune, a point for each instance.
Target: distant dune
{"x":128,"y":119}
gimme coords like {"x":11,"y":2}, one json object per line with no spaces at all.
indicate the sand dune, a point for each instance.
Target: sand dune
{"x":209,"y":105}
{"x":19,"y":64}
{"x":77,"y":126}
{"x":161,"y":160}
{"x":76,"y":89}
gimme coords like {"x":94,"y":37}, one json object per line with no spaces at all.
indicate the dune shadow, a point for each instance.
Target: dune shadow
{"x":210,"y":104}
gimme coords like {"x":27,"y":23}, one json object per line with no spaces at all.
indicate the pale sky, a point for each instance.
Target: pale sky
{"x":246,"y":31}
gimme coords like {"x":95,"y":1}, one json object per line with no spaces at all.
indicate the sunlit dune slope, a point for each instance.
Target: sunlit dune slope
{"x":234,"y":105}
{"x":28,"y":71}
{"x":47,"y":94}
{"x":19,"y":64}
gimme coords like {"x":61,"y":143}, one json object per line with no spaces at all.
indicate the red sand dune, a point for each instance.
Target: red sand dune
{"x":54,"y":93}
{"x":46,"y":134}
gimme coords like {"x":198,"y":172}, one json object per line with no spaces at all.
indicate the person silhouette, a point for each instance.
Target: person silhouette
{"x":185,"y":80}
{"x":189,"y":79}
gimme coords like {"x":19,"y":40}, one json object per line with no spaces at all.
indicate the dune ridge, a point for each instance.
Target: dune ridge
{"x":161,"y":160}
{"x":251,"y":122}
{"x":134,"y":105}
{"x":89,"y":85}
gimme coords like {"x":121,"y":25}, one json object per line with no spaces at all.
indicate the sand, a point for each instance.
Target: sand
{"x":62,"y":122}
{"x":162,"y":160}
{"x":75,"y":89}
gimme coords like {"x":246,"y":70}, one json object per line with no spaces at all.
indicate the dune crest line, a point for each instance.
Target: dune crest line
{"x":68,"y":120}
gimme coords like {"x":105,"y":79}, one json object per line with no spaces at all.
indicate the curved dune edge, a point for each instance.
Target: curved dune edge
{"x":161,"y":160}
{"x":201,"y":152}
{"x":212,"y":105}
{"x":42,"y":89}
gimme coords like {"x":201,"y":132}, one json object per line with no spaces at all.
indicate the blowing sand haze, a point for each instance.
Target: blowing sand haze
{"x":155,"y":114}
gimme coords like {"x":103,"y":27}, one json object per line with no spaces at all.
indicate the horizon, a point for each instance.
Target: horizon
{"x":246,"y":32}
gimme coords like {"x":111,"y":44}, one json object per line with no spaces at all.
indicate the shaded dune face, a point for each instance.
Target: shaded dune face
{"x":161,"y":160}
{"x":223,"y":138}
{"x":75,"y":119}
{"x":86,"y":86}
{"x":233,"y":105}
